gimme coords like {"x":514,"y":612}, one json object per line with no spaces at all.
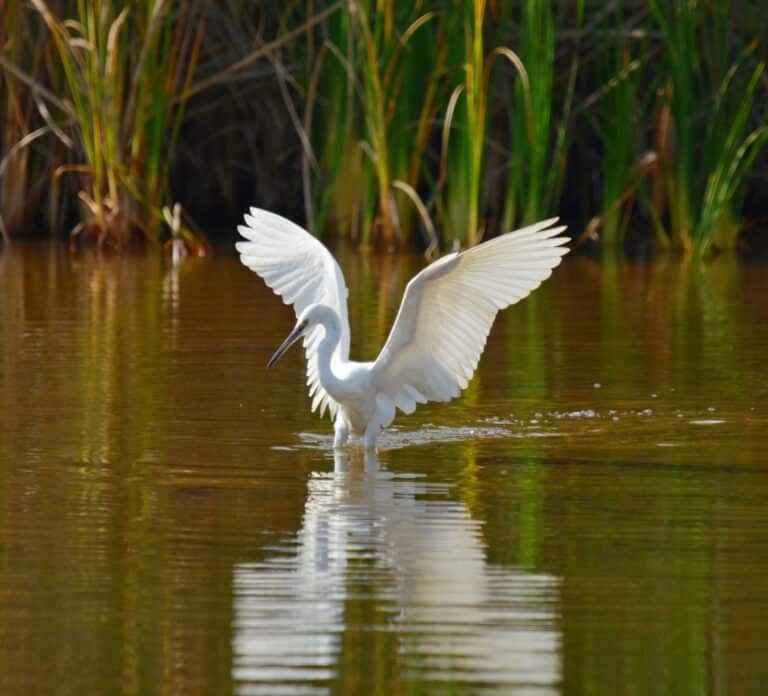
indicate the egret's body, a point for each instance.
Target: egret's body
{"x":439,"y":333}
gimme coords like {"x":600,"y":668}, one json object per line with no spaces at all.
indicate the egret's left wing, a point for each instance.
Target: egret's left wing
{"x":303,"y":272}
{"x":447,"y":312}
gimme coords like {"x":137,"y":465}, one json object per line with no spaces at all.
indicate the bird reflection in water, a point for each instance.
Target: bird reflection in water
{"x":420,"y":556}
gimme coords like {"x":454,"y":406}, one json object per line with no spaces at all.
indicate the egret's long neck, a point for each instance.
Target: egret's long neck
{"x":331,"y":381}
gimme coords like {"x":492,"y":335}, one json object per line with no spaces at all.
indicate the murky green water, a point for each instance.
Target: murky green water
{"x":590,"y":518}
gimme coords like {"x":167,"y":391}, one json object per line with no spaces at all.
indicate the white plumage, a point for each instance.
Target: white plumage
{"x":439,"y":333}
{"x":302,"y":271}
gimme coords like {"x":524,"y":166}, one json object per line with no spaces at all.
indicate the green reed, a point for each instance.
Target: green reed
{"x":25,"y":118}
{"x":616,"y":117}
{"x":401,"y":113}
{"x":464,"y":122}
{"x":711,"y":87}
{"x":413,"y":104}
{"x":380,"y":51}
{"x":377,"y":109}
{"x":16,"y":117}
{"x":124,"y":66}
{"x":332,"y":184}
{"x":537,"y":137}
{"x":536,"y":157}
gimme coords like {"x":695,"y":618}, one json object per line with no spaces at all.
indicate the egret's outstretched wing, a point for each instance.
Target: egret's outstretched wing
{"x":302,"y":271}
{"x":447,"y":312}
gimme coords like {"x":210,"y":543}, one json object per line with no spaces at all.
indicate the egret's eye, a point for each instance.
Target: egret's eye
{"x":304,"y":324}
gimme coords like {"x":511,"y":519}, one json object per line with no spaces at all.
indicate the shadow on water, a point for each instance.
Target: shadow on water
{"x":369,"y":534}
{"x":588,"y":518}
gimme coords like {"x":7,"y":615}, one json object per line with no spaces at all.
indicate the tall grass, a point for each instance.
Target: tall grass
{"x":25,"y":117}
{"x":124,"y":65}
{"x":712,"y":89}
{"x":385,"y":121}
{"x":374,"y":118}
{"x":537,"y":141}
{"x":16,"y":118}
{"x":384,"y":112}
{"x":334,"y":187}
{"x":465,"y":122}
{"x":616,"y":118}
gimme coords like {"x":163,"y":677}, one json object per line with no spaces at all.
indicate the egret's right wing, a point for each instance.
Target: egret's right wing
{"x":303,"y":272}
{"x":447,"y":312}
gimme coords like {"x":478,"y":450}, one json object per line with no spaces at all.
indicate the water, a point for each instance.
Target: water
{"x":590,"y":517}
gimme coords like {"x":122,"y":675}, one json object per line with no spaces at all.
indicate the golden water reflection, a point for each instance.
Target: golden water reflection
{"x":588,"y":518}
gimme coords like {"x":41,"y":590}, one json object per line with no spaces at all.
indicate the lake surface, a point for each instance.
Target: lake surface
{"x":591,"y":517}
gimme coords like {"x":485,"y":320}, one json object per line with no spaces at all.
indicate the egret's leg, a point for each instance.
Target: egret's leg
{"x":370,"y":461}
{"x":371,"y":433}
{"x":340,"y":431}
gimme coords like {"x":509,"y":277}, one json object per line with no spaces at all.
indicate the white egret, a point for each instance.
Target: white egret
{"x":439,"y":333}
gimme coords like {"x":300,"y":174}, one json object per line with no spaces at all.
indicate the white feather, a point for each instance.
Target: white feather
{"x":302,"y":271}
{"x":438,"y":336}
{"x":448,"y":309}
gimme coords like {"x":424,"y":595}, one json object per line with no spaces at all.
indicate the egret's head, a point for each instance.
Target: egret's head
{"x":308,"y":319}
{"x":302,"y":326}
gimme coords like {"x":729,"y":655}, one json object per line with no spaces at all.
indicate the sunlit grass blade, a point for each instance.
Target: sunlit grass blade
{"x":124,"y":65}
{"x":467,"y":123}
{"x":718,"y":226}
{"x":336,"y":191}
{"x":711,"y":105}
{"x":539,"y":133}
{"x":374,"y":117}
{"x":24,"y":118}
{"x":391,"y":104}
{"x":616,"y":117}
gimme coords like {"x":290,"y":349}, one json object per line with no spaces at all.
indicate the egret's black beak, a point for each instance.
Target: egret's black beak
{"x":294,"y":336}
